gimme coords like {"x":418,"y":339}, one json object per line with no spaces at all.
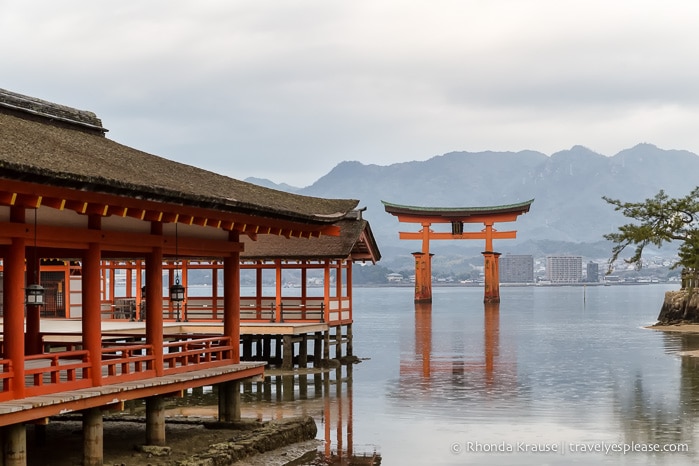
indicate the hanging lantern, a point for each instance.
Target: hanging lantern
{"x":177,"y":292}
{"x":34,"y":295}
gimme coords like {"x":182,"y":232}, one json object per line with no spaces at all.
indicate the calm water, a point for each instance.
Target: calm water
{"x":553,"y":368}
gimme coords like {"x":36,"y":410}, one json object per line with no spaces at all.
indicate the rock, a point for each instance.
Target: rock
{"x":153,"y":450}
{"x":680,"y":307}
{"x":268,"y":436}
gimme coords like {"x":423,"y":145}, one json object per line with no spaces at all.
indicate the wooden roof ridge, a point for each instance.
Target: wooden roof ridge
{"x":33,"y":147}
{"x":392,"y":208}
{"x":356,"y":241}
{"x":50,"y":111}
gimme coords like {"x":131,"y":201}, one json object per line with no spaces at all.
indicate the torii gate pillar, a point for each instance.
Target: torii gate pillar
{"x":423,"y":277}
{"x":492,"y":276}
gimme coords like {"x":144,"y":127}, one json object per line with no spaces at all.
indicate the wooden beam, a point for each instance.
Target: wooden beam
{"x":78,"y":238}
{"x":467,"y":235}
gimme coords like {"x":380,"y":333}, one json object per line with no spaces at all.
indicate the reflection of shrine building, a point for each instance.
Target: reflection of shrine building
{"x":324,"y":395}
{"x":485,"y":370}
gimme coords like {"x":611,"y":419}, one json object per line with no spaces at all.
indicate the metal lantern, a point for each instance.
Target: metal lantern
{"x":177,"y":292}
{"x":34,"y":295}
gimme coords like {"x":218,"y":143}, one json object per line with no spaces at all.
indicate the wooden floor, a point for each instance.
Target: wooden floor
{"x":57,"y":331}
{"x":38,"y":407}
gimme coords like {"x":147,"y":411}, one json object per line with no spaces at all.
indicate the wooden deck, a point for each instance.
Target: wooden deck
{"x":39,"y":407}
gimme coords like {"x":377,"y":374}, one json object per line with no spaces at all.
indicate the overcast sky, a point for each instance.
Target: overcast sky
{"x":286,"y":90}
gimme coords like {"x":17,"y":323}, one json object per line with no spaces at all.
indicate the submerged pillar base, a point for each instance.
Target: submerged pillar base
{"x":423,"y":277}
{"x":492,"y":277}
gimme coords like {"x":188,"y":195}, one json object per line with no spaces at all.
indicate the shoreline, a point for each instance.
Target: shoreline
{"x":679,"y":328}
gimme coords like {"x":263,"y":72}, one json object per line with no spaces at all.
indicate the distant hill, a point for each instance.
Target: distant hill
{"x":271,"y":184}
{"x":568,"y":214}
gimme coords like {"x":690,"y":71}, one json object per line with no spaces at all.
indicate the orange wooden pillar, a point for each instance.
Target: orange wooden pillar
{"x":423,"y":268}
{"x":279,"y":313}
{"x":33,"y":337}
{"x":492,"y":279}
{"x":13,"y":317}
{"x":92,"y":311}
{"x":231,"y":298}
{"x":423,"y":277}
{"x":154,"y":301}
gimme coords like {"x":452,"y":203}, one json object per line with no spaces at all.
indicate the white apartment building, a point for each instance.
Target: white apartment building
{"x":564,"y":269}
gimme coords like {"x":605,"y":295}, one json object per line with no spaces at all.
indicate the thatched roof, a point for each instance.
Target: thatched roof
{"x":356,"y":242}
{"x":54,"y":145}
{"x":457,"y":212}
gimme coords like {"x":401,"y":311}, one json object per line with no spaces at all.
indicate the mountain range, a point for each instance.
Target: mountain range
{"x":568,"y":215}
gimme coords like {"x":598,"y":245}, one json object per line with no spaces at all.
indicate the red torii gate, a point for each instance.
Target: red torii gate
{"x":457,"y":216}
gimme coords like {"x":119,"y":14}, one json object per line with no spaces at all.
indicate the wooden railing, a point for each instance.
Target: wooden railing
{"x":127,"y":361}
{"x":252,"y":309}
{"x":6,"y":379}
{"x":52,"y":372}
{"x":265,"y":309}
{"x":183,"y":353}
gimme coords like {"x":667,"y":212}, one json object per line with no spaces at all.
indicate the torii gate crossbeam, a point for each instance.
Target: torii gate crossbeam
{"x":457,"y":216}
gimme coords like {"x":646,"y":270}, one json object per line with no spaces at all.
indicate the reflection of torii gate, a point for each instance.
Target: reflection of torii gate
{"x":457,"y":216}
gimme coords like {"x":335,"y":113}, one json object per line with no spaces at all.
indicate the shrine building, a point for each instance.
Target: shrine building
{"x":69,"y":195}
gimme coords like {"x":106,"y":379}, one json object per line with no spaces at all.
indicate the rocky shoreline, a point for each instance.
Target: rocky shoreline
{"x":189,"y":442}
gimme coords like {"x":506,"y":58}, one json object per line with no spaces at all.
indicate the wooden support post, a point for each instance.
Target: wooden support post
{"x":288,"y":353}
{"x":266,"y":347}
{"x":350,"y":351}
{"x":317,"y":349}
{"x":338,"y":342}
{"x":303,"y":351}
{"x":155,"y":421}
{"x":229,"y":401}
{"x":247,"y":348}
{"x":258,"y":347}
{"x":93,"y":437}
{"x":278,"y":351}
{"x":15,"y":445}
{"x":326,"y":347}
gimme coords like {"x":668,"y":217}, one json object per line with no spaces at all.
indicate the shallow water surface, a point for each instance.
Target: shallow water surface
{"x":552,"y":375}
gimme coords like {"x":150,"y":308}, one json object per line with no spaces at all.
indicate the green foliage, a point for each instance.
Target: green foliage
{"x":660,"y":220}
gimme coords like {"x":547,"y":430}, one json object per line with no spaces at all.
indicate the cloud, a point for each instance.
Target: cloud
{"x":286,"y":90}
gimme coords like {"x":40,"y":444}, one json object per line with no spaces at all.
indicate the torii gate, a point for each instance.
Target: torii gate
{"x":457,"y":216}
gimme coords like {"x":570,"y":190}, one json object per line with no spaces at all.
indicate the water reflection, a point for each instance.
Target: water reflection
{"x":668,"y":417}
{"x":457,"y":363}
{"x":558,"y":364}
